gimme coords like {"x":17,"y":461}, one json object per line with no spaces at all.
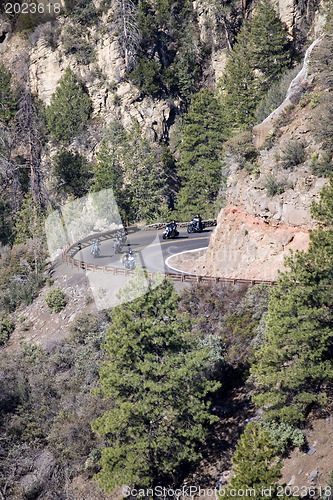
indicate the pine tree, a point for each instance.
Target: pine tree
{"x":200,"y":165}
{"x":259,"y":56}
{"x":293,"y":366}
{"x":269,"y":44}
{"x":71,"y":172}
{"x":8,"y":101}
{"x":154,"y":376}
{"x":145,"y":180}
{"x":254,"y":465}
{"x":29,"y":225}
{"x":70,"y":108}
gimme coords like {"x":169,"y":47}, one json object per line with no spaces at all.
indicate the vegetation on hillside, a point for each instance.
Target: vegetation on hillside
{"x":134,"y":395}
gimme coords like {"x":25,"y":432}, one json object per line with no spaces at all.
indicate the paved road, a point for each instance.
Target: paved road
{"x":150,"y":249}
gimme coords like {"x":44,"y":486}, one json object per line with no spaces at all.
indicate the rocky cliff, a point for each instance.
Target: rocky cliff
{"x":268,"y":209}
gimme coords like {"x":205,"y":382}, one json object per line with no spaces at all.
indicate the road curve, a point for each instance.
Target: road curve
{"x":149,"y":247}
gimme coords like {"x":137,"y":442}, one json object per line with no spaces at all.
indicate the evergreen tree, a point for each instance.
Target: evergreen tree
{"x":70,"y":108}
{"x":269,"y":44}
{"x":254,"y":465}
{"x":108,"y":172}
{"x":71,"y":172}
{"x":200,"y":165}
{"x":8,"y":104}
{"x":145,"y":180}
{"x":29,"y":225}
{"x":323,"y":210}
{"x":292,"y":367}
{"x":155,"y":379}
{"x":259,"y":57}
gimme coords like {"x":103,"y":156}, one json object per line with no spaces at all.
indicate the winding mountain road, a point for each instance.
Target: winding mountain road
{"x":149,"y":247}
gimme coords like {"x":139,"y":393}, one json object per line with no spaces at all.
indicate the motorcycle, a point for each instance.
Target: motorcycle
{"x":170,"y":232}
{"x":193,"y":227}
{"x":129,"y":262}
{"x":96,"y":249}
{"x":118,"y":245}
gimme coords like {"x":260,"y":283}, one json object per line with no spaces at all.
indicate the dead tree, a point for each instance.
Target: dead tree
{"x":130,"y":35}
{"x":28,"y":132}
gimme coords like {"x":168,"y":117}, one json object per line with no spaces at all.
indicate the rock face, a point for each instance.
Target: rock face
{"x":259,"y":225}
{"x":124,"y":102}
{"x":243,"y":246}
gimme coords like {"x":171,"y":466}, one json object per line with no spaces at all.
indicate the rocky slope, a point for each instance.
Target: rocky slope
{"x":261,"y":223}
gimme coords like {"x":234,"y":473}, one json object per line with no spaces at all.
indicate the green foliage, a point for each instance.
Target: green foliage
{"x":108,"y":172}
{"x":135,"y":170}
{"x":46,"y":404}
{"x":273,"y":186}
{"x":145,"y":188}
{"x":56,"y":300}
{"x":6,"y":229}
{"x":29,"y":223}
{"x":155,"y":377}
{"x":70,"y":108}
{"x":323,"y":210}
{"x":170,"y":52}
{"x":146,"y":76}
{"x":8,"y":101}
{"x":83,"y":326}
{"x":6,"y":328}
{"x":240,"y":149}
{"x":321,"y":59}
{"x":200,"y":165}
{"x":284,"y":435}
{"x":254,"y":465}
{"x":259,"y":57}
{"x":20,"y":279}
{"x":74,"y":41}
{"x":293,"y":154}
{"x":83,"y":12}
{"x":322,"y":122}
{"x":276,"y":94}
{"x":292,"y":366}
{"x":296,"y":361}
{"x":322,"y":165}
{"x":71,"y":172}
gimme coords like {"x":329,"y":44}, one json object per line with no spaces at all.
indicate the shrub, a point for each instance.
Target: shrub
{"x":321,"y":165}
{"x":83,"y":326}
{"x":56,"y":300}
{"x":241,"y":148}
{"x":74,"y":42}
{"x":293,"y":154}
{"x":6,"y":328}
{"x":273,"y":186}
{"x":276,"y":95}
{"x":48,"y":32}
{"x":284,"y":435}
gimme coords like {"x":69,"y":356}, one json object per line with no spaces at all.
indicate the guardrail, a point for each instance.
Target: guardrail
{"x":86,"y":266}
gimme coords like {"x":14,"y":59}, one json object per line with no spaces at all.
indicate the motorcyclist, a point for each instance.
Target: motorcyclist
{"x":127,"y":255}
{"x":197,"y":221}
{"x":96,"y":245}
{"x":173,"y":225}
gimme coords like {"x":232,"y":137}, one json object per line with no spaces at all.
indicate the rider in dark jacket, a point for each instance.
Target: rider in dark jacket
{"x":197,"y":221}
{"x":173,"y":225}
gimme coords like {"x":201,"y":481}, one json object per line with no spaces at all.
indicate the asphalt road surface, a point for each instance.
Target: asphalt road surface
{"x":149,"y":248}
